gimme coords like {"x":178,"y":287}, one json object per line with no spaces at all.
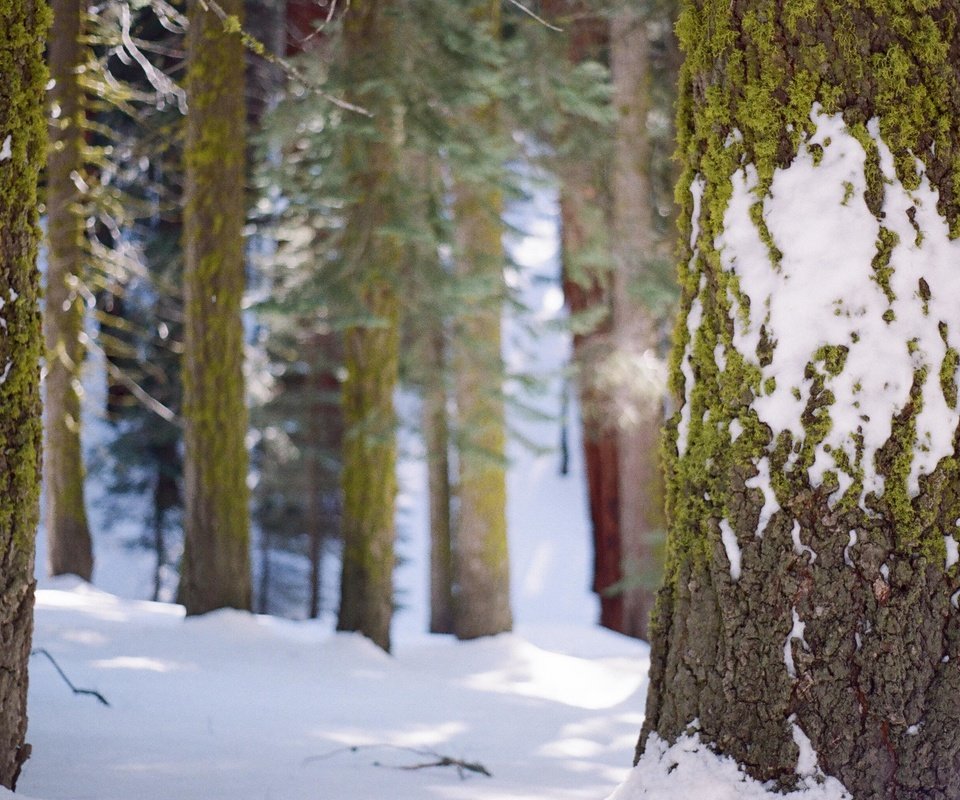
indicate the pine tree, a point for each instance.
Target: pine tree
{"x":69,"y":548}
{"x":215,"y":570}
{"x":812,"y":467}
{"x":23,"y":29}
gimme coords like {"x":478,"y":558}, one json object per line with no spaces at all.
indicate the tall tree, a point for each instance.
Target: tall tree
{"x":69,"y":549}
{"x":482,"y":558}
{"x":371,"y":348}
{"x":215,"y":570}
{"x":23,"y":30}
{"x":812,"y":467}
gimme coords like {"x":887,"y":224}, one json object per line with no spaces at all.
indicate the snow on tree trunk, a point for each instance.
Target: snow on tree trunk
{"x":215,"y":571}
{"x":811,"y":597}
{"x":371,"y":351}
{"x":69,"y":549}
{"x":23,"y":27}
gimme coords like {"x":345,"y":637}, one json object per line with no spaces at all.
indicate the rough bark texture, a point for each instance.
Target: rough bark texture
{"x":69,"y":549}
{"x":371,"y":351}
{"x":215,"y":571}
{"x":876,"y":669}
{"x":23,"y":28}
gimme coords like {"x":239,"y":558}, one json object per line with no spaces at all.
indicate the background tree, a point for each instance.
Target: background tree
{"x":215,"y":569}
{"x":23,"y":30}
{"x":69,"y":548}
{"x":371,"y":348}
{"x":481,"y":555}
{"x":811,"y":588}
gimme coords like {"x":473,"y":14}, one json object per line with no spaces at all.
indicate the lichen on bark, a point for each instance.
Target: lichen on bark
{"x":768,"y":90}
{"x":23,"y":32}
{"x":215,"y":570}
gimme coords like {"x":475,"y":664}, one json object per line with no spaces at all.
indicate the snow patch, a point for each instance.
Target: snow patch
{"x":729,"y":539}
{"x":762,"y":482}
{"x":689,"y":768}
{"x":846,"y":550}
{"x":694,"y":318}
{"x":817,"y":217}
{"x":953,"y":551}
{"x":807,"y":765}
{"x":6,"y":150}
{"x":799,"y":547}
{"x":796,"y":632}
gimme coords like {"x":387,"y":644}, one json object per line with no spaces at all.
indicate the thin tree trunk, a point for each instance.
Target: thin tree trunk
{"x":216,"y":561}
{"x":808,"y":622}
{"x":23,"y":28}
{"x":371,"y":352}
{"x":482,"y":605}
{"x":436,"y":435}
{"x":69,"y":548}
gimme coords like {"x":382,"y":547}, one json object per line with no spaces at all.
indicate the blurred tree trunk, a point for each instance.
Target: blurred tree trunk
{"x":216,"y":560}
{"x":640,"y":396}
{"x":23,"y":29}
{"x":69,"y":549}
{"x":482,"y":559}
{"x":436,"y":435}
{"x":371,"y":159}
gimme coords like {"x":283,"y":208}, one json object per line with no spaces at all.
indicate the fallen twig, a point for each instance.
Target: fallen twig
{"x":462,"y":766}
{"x":40,"y":651}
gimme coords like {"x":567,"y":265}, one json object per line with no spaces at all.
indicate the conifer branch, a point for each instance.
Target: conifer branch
{"x":231,"y":24}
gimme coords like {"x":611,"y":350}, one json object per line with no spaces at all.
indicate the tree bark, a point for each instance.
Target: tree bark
{"x":482,"y":559}
{"x":69,"y":548}
{"x":23,"y":29}
{"x":371,"y":351}
{"x":215,"y":571}
{"x":639,"y":405}
{"x":436,"y":436}
{"x":813,"y":485}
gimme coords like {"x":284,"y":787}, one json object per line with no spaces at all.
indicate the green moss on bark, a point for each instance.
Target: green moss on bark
{"x":215,"y":571}
{"x":23,"y":31}
{"x":754,"y":71}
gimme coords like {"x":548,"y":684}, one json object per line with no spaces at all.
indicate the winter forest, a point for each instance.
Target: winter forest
{"x":496,"y":399}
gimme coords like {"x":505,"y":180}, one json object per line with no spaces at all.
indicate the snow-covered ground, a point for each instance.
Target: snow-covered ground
{"x":244,"y":707}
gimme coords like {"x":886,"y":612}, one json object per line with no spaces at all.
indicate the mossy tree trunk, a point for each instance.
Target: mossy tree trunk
{"x":813,"y":483}
{"x":69,"y":549}
{"x":23,"y":29}
{"x":481,"y":556}
{"x":371,"y":350}
{"x":215,"y":570}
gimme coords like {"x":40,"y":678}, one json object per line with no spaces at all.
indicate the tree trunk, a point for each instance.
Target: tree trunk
{"x":23,"y":28}
{"x":436,"y":436}
{"x":639,"y":404}
{"x":69,"y":549}
{"x":586,"y":288}
{"x":371,"y":351}
{"x":482,"y":559}
{"x":813,"y":481}
{"x":216,"y":561}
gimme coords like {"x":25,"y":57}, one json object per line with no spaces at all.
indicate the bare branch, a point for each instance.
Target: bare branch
{"x":462,"y":766}
{"x":539,"y":19}
{"x":39,"y":651}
